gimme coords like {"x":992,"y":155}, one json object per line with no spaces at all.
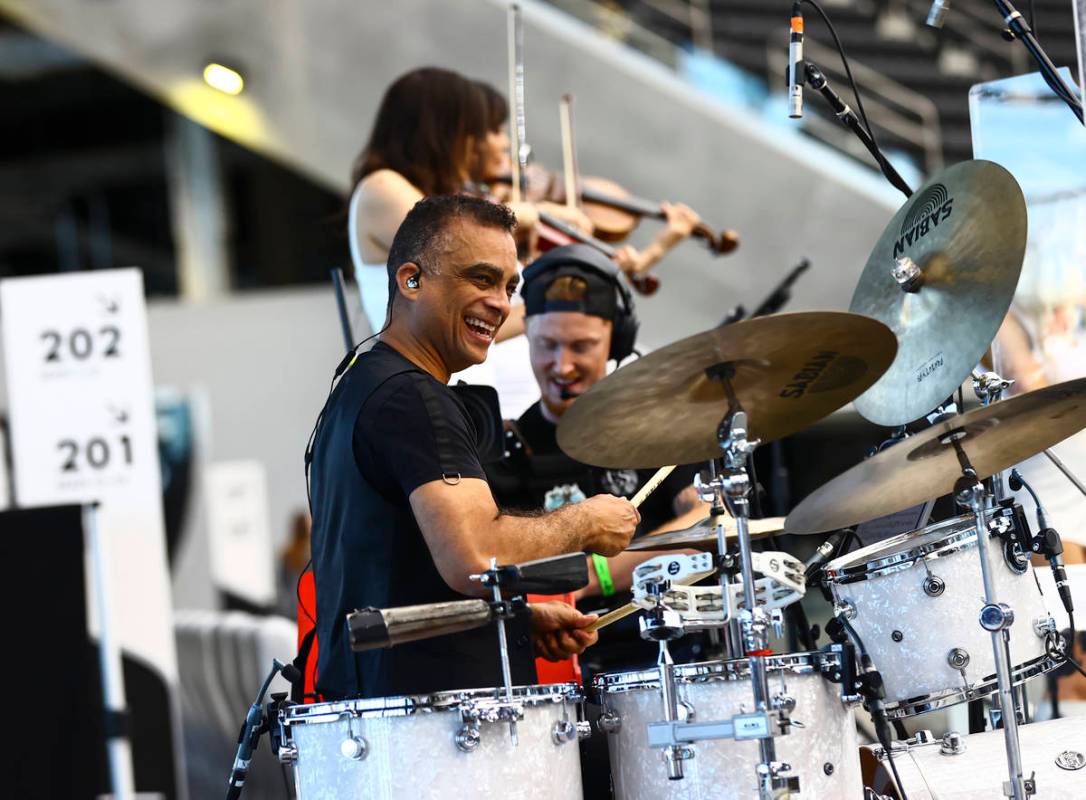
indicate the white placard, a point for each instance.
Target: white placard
{"x":83,"y":429}
{"x":242,"y":552}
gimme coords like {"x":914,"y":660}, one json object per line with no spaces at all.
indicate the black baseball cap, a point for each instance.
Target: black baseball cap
{"x":592,"y":290}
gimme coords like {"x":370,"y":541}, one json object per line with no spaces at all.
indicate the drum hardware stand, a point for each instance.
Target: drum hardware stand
{"x":1018,"y":28}
{"x":732,"y":488}
{"x":996,"y":618}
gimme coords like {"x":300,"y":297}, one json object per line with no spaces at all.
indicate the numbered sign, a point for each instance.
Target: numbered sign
{"x":79,"y":384}
{"x":82,"y":428}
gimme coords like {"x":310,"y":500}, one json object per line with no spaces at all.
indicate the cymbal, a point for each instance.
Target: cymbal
{"x":925,"y":466}
{"x":702,"y":535}
{"x":965,"y":228}
{"x":789,"y":371}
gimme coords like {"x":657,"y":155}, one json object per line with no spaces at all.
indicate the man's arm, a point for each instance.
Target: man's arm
{"x":464,"y":529}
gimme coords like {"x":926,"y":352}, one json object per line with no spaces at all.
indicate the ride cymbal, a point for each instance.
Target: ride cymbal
{"x":965,"y":230}
{"x":702,"y":535}
{"x":925,"y":466}
{"x":787,"y":371}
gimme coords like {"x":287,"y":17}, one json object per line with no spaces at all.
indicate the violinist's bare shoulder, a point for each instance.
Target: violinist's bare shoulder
{"x":384,"y":189}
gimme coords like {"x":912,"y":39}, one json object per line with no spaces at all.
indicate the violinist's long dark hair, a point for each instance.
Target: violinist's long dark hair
{"x":497,"y":108}
{"x":424,"y":130}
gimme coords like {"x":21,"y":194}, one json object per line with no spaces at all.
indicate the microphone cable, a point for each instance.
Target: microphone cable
{"x":878,"y":714}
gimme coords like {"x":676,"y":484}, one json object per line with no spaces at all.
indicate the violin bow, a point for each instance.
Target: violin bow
{"x":519,"y":160}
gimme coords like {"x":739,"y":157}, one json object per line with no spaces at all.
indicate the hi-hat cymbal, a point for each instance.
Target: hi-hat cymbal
{"x":702,"y":535}
{"x":925,"y":466}
{"x":966,"y":231}
{"x":788,"y":370}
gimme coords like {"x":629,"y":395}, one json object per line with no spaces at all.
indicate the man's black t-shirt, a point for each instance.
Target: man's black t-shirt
{"x":389,"y":428}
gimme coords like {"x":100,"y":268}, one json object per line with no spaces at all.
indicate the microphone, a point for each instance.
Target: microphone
{"x":823,"y":554}
{"x":795,"y":63}
{"x":251,"y":730}
{"x":937,"y":13}
{"x":566,"y":394}
{"x":1047,"y":542}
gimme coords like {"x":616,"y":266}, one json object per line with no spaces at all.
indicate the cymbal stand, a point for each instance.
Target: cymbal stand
{"x":989,"y":388}
{"x":732,"y":486}
{"x":996,"y":618}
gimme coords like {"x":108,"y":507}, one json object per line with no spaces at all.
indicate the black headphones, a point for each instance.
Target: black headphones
{"x":625,"y":324}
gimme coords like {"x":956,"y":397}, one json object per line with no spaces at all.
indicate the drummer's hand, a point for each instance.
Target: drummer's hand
{"x":571,"y":216}
{"x":611,"y":524}
{"x":558,"y":630}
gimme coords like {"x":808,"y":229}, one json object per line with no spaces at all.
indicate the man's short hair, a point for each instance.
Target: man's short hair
{"x":420,"y":236}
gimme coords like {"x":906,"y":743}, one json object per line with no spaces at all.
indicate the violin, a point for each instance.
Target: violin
{"x":615,"y":212}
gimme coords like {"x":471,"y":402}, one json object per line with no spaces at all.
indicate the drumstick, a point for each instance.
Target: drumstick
{"x":639,"y":498}
{"x":630,"y":608}
{"x":651,"y":484}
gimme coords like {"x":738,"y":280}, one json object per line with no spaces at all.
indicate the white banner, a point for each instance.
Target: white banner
{"x":83,"y":429}
{"x":242,"y":551}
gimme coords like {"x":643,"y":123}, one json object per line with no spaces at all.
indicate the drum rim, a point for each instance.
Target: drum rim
{"x":723,"y":671}
{"x":855,"y":567}
{"x":987,"y":686}
{"x":434,"y":702}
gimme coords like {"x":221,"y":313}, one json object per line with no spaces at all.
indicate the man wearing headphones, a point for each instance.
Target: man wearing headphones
{"x":579,"y":316}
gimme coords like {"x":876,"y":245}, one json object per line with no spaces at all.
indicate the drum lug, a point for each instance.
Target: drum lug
{"x":609,"y":722}
{"x":846,"y":607}
{"x":564,"y":731}
{"x":958,"y":659}
{"x":686,"y":711}
{"x":953,"y":744}
{"x":467,"y":739}
{"x":584,"y":729}
{"x":354,"y":748}
{"x":288,"y":754}
{"x":1044,"y":627}
{"x":784,"y":702}
{"x":934,"y":585}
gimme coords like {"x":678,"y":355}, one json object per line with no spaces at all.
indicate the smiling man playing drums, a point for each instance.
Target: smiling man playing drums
{"x":402,"y":512}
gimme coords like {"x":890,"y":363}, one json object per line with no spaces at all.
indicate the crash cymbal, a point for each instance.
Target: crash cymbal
{"x":965,"y":229}
{"x":702,"y":535}
{"x":789,"y":370}
{"x":925,"y":466}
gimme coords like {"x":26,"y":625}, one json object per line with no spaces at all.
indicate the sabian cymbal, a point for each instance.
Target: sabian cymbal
{"x":789,"y":370}
{"x":965,"y":229}
{"x":702,"y":535}
{"x":925,"y":466}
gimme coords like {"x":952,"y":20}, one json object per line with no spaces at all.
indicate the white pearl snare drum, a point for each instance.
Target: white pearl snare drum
{"x":915,"y":601}
{"x":821,"y":746}
{"x":443,"y":745}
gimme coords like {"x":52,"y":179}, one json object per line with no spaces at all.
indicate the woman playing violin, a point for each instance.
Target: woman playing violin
{"x":493,"y":166}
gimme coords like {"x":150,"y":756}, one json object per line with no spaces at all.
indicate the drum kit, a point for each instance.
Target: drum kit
{"x":939,"y":616}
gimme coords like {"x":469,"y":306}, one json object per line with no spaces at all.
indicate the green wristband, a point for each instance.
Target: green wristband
{"x":603,"y":572}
